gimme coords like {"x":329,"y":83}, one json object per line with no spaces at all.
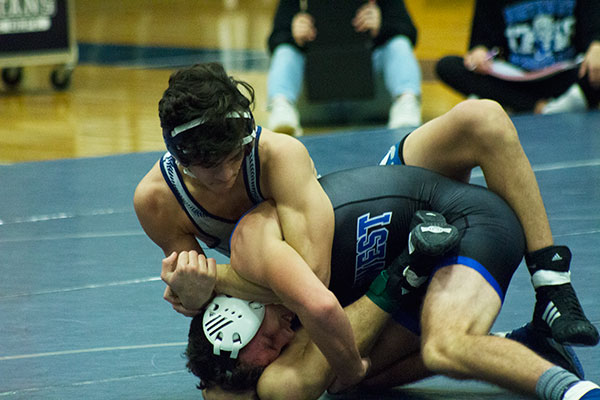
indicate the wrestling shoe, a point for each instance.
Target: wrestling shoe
{"x":284,"y":117}
{"x":582,"y":390}
{"x":558,"y":312}
{"x":429,"y":239}
{"x":593,"y":394}
{"x":547,"y":348}
{"x":430,"y":235}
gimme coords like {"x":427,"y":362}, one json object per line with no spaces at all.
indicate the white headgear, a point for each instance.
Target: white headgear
{"x":230,"y":323}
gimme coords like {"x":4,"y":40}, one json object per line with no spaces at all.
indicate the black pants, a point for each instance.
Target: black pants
{"x":516,"y":96}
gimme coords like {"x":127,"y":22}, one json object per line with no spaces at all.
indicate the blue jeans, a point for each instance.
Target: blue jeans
{"x":395,"y":60}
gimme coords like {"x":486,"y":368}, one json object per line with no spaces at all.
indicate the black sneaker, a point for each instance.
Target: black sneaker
{"x":547,"y":348}
{"x":558,"y":314}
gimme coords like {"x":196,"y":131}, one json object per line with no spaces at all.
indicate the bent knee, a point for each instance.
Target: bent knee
{"x":400,"y":43}
{"x":485,"y":124}
{"x":441,"y":352}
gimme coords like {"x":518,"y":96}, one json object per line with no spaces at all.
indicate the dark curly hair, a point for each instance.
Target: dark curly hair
{"x":213,"y":370}
{"x":206,"y":91}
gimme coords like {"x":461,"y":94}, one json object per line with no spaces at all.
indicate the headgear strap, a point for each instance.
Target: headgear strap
{"x":199,"y":121}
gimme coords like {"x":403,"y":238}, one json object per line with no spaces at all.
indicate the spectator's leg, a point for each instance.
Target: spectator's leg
{"x":284,"y":83}
{"x":402,"y":76}
{"x":514,"y":96}
{"x":592,"y":94}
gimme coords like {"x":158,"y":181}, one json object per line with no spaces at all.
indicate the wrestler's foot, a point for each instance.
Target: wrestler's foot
{"x":593,"y":394}
{"x":545,"y":347}
{"x":431,"y":235}
{"x":582,"y":390}
{"x":558,"y":314}
{"x":430,"y":238}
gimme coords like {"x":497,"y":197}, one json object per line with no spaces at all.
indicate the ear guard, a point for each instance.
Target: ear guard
{"x":230,"y":323}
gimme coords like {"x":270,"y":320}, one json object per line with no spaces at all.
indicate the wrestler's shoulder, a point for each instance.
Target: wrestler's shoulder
{"x":275,"y":145}
{"x":152,"y":191}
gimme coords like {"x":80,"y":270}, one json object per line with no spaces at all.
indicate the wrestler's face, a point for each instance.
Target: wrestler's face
{"x":222,"y":176}
{"x":273,"y":335}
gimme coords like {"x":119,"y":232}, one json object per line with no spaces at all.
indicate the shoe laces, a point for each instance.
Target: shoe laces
{"x":565,"y":300}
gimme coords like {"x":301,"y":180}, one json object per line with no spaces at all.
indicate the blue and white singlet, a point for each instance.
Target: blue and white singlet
{"x":214,"y":230}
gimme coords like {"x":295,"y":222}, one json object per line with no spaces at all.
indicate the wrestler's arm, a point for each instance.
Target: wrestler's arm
{"x":231,"y":283}
{"x":158,"y":213}
{"x":260,"y":254}
{"x":305,"y":212}
{"x":302,"y":371}
{"x":157,"y":209}
{"x":307,"y":222}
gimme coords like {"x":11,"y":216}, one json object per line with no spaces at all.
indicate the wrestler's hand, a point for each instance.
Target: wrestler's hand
{"x":339,"y":386}
{"x":303,"y":28}
{"x":591,"y":65}
{"x":172,"y":298}
{"x":478,"y":60}
{"x":368,"y":18}
{"x":192,"y":279}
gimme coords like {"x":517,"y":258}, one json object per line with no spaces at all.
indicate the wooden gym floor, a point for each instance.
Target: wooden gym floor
{"x":128,"y":49}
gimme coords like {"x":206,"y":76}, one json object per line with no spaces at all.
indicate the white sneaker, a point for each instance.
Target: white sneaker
{"x":573,"y":100}
{"x":284,"y":117}
{"x":405,"y":111}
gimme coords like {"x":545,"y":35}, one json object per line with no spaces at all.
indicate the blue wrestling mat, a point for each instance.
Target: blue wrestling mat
{"x":81,"y":308}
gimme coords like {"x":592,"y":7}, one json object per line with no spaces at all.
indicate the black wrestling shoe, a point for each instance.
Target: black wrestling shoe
{"x":431,"y":235}
{"x":547,"y":348}
{"x":430,"y":238}
{"x":558,"y":314}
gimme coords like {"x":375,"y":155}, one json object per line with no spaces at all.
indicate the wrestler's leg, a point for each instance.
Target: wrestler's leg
{"x":459,"y":310}
{"x":395,"y":359}
{"x":480,"y":133}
